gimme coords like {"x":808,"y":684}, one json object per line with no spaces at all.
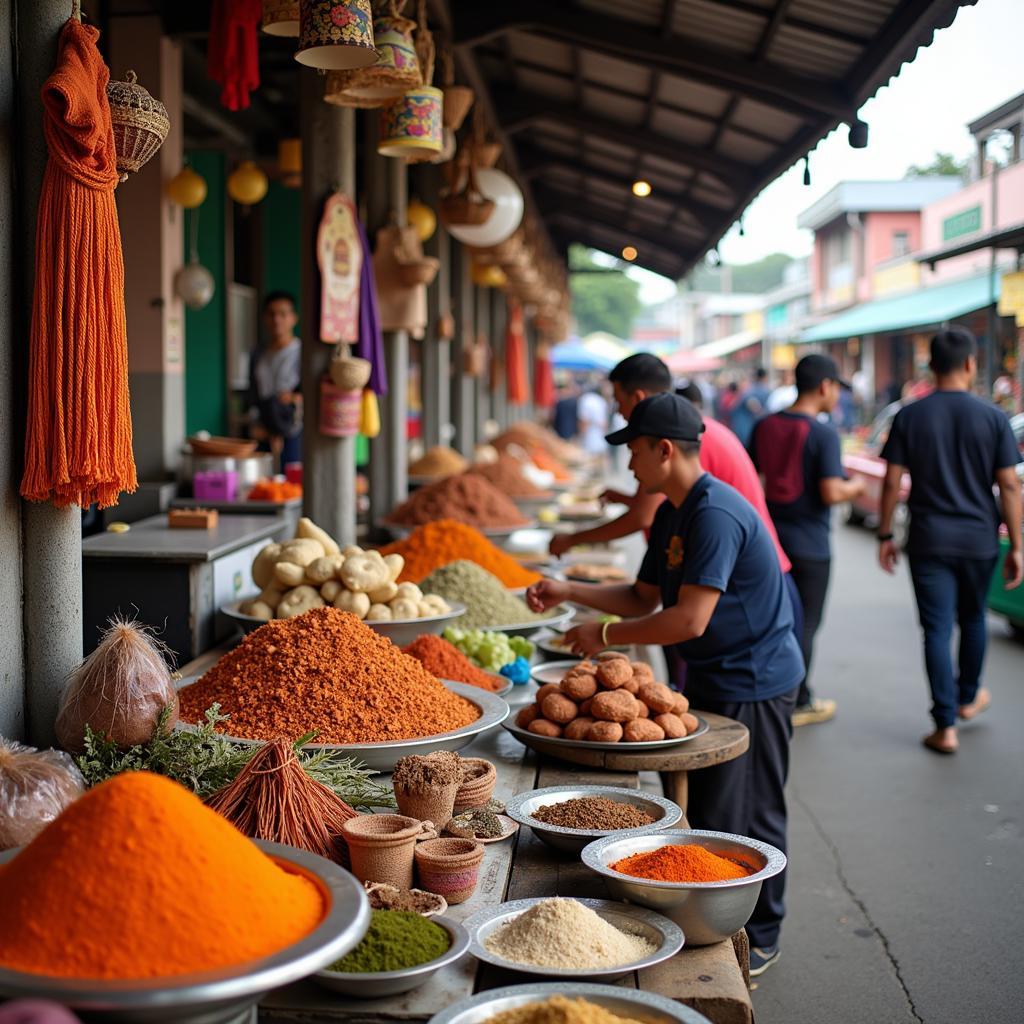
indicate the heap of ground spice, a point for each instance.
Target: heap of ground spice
{"x":396,"y":939}
{"x":421,"y":773}
{"x":390,"y":897}
{"x":137,"y":879}
{"x":489,"y":605}
{"x":691,"y":863}
{"x":596,"y":813}
{"x":324,"y":672}
{"x":446,"y":661}
{"x":507,"y":475}
{"x":466,"y":498}
{"x":437,"y":462}
{"x":429,"y":547}
{"x":559,"y":1010}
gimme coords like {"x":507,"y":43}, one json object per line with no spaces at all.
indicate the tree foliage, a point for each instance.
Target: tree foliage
{"x":760,"y":276}
{"x":603,"y":299}
{"x":944,"y":164}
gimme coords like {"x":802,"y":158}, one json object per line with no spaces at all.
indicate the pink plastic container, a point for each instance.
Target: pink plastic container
{"x":215,"y":485}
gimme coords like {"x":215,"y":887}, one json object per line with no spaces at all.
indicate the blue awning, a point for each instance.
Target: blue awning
{"x":927,"y":307}
{"x":570,"y":355}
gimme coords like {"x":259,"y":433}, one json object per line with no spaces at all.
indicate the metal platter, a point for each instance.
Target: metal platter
{"x":382,"y":757}
{"x":633,"y":1004}
{"x":215,"y":997}
{"x":666,"y":937}
{"x":551,"y":744}
{"x":563,"y":614}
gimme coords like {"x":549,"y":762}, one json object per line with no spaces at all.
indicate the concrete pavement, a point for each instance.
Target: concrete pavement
{"x":907,"y":868}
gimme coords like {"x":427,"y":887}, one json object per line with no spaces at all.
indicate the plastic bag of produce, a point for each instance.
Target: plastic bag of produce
{"x":35,"y":786}
{"x":119,"y":691}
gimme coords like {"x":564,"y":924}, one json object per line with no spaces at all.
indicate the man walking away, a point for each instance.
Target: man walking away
{"x":799,"y":458}
{"x":955,"y":448}
{"x":750,"y":407}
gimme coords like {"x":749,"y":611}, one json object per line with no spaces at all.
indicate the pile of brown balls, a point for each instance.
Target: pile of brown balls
{"x":609,"y":700}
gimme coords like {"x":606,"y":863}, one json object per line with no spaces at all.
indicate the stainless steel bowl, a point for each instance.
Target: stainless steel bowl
{"x":560,"y":616}
{"x":383,"y":757}
{"x":632,"y":1004}
{"x":573,"y":840}
{"x":665,"y":936}
{"x":376,"y":984}
{"x":215,"y":997}
{"x":706,"y":911}
{"x":552,"y":671}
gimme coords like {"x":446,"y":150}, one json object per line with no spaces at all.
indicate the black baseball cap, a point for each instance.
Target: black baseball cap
{"x":666,"y":415}
{"x":812,"y":370}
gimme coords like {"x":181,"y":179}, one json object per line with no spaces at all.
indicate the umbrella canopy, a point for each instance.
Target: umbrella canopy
{"x":691,"y":361}
{"x":573,"y":355}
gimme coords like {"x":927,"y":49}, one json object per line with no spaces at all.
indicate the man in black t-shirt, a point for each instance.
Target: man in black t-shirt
{"x":955,"y":448}
{"x":798,"y":457}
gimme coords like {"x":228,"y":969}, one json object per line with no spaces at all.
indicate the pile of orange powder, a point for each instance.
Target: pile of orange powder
{"x":429,"y":547}
{"x":137,"y":879}
{"x":690,"y":863}
{"x":446,"y":661}
{"x":329,"y":673}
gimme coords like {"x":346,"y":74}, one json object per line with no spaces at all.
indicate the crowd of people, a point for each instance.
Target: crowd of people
{"x":734,"y":580}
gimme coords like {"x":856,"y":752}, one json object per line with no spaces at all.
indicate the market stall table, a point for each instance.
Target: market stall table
{"x":290,"y":510}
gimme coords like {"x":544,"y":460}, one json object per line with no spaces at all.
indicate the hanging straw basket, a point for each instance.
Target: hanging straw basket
{"x":140,"y":123}
{"x":458,"y":99}
{"x":485,"y":154}
{"x":467,"y":205}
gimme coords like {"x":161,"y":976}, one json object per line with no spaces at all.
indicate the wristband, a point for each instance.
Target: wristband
{"x":883,"y":537}
{"x":604,"y":634}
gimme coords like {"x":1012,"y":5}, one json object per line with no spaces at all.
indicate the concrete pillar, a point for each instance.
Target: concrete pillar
{"x":483,"y":382}
{"x":396,"y":353}
{"x":153,"y":240}
{"x":436,"y":356}
{"x":867,"y":365}
{"x":463,"y":386}
{"x":328,"y":165}
{"x":51,"y":541}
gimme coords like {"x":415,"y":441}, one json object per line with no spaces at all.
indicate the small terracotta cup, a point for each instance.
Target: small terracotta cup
{"x":478,"y":789}
{"x":449,"y":867}
{"x":381,"y":847}
{"x":435,"y":804}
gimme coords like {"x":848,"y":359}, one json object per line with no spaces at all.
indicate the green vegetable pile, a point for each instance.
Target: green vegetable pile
{"x":488,"y":603}
{"x":488,"y":649}
{"x":396,"y":939}
{"x":203,"y":760}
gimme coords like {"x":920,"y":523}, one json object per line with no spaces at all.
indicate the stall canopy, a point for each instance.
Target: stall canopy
{"x":927,"y":307}
{"x":706,"y":100}
{"x":573,"y":355}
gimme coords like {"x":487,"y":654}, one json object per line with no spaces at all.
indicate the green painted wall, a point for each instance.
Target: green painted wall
{"x":205,"y":329}
{"x":281,"y":220}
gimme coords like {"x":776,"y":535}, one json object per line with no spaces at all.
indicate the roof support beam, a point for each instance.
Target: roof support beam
{"x":806,"y":97}
{"x":661,"y":261}
{"x":521,"y":110}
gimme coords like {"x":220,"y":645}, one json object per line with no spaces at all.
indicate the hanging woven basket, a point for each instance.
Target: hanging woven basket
{"x":140,"y":123}
{"x":465,"y":203}
{"x":458,"y":99}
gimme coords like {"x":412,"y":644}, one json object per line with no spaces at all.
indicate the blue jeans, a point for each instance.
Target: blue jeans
{"x":952,"y":589}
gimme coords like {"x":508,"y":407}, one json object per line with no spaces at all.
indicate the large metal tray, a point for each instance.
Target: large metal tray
{"x":215,"y":997}
{"x":546,"y":744}
{"x":383,"y":757}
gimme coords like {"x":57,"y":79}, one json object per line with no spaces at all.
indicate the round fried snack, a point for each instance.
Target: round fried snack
{"x":545,"y":690}
{"x":557,"y":708}
{"x":605,"y":732}
{"x":527,"y":715}
{"x":615,"y":706}
{"x":542,"y":727}
{"x":645,"y":711}
{"x":632,"y":685}
{"x":641,"y":730}
{"x":578,"y":728}
{"x":673,"y":725}
{"x":611,"y":656}
{"x":615,"y":673}
{"x":658,"y":697}
{"x":642,"y":671}
{"x":681,"y":705}
{"x":690,"y":721}
{"x":585,"y":706}
{"x":579,"y":685}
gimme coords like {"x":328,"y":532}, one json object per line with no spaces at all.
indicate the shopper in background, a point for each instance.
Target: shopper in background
{"x":565,"y":419}
{"x":956,"y":448}
{"x":798,"y":457}
{"x":593,"y":414}
{"x":750,"y":407}
{"x":275,"y":398}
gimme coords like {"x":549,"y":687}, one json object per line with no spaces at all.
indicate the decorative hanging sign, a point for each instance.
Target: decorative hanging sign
{"x":339,"y":255}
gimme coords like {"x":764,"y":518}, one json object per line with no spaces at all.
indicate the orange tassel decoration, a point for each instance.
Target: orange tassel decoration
{"x":78,"y":446}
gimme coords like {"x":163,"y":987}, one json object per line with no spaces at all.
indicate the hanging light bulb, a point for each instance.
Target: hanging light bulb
{"x":629,"y":253}
{"x":641,"y":188}
{"x":193,"y":283}
{"x":247,"y":184}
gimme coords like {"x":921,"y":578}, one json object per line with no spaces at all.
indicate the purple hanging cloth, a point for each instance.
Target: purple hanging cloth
{"x":371,"y":341}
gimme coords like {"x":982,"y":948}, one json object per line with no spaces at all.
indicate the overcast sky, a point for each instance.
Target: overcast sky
{"x":970,"y":67}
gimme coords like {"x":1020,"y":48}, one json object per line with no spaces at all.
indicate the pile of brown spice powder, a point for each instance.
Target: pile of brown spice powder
{"x":507,"y":475}
{"x":596,"y":813}
{"x":324,"y":671}
{"x":467,"y":498}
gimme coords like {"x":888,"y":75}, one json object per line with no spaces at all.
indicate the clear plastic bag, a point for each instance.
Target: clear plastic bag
{"x":35,"y":786}
{"x":119,"y":691}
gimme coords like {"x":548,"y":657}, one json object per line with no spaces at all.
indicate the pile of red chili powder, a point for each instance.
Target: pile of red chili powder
{"x":446,"y":661}
{"x":324,"y":671}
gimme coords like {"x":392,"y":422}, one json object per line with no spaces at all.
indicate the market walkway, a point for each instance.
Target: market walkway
{"x":905,"y":891}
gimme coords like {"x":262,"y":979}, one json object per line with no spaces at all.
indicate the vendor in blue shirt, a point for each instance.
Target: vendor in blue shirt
{"x":712,"y":568}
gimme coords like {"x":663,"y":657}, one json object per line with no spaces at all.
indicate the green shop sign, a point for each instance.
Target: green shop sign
{"x":963,"y":223}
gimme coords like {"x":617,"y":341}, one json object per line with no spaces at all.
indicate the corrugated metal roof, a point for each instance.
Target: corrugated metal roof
{"x":709,"y":99}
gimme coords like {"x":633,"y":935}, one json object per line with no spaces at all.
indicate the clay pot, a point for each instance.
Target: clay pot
{"x":449,"y":867}
{"x":435,"y":804}
{"x":381,"y":847}
{"x":477,"y":791}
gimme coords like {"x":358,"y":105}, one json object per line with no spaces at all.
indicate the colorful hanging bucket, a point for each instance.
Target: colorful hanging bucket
{"x":281,"y":17}
{"x":336,"y":36}
{"x":339,"y":410}
{"x":397,"y":68}
{"x":412,"y":126}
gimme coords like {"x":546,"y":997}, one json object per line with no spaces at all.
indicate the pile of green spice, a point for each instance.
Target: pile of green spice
{"x":595,"y":813}
{"x":396,"y":940}
{"x":487,"y":601}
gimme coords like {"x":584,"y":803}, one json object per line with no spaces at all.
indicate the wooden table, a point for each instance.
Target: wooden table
{"x":712,"y":979}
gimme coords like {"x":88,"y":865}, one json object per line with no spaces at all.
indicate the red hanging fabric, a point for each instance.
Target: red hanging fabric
{"x":232,"y":53}
{"x":78,"y":439}
{"x":515,"y":357}
{"x":543,"y":381}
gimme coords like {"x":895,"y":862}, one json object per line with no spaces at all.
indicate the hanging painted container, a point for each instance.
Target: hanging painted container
{"x":340,"y":258}
{"x":336,"y":36}
{"x":397,"y":67}
{"x":339,"y":410}
{"x":412,"y":126}
{"x":281,"y":17}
